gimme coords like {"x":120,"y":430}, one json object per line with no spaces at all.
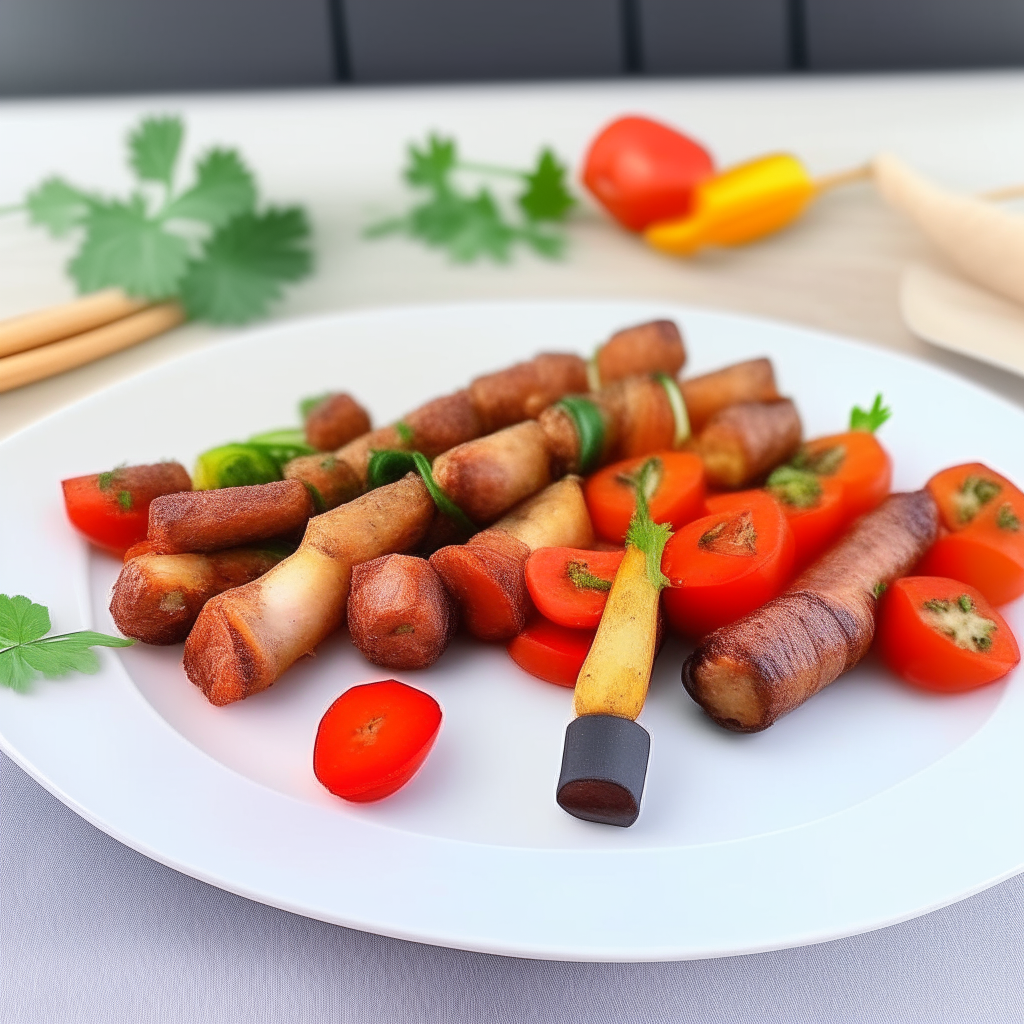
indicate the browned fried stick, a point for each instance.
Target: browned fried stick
{"x":334,"y":421}
{"x":228,"y":516}
{"x":743,"y":443}
{"x":157,"y":597}
{"x":752,"y":381}
{"x":245,"y":638}
{"x":749,"y":673}
{"x":399,"y":614}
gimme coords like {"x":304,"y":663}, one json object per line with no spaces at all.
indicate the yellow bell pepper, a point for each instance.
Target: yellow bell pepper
{"x":738,"y":206}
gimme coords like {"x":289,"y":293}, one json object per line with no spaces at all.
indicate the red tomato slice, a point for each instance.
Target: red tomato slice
{"x":374,"y":738}
{"x":570,"y":586}
{"x":551,"y":652}
{"x":815,"y":524}
{"x":677,"y":496}
{"x":985,"y":513}
{"x":112,"y":509}
{"x":642,"y":171}
{"x":857,"y":461}
{"x":942,"y":635}
{"x":727,"y":564}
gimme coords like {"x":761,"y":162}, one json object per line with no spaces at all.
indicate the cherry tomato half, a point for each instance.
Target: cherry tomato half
{"x":727,"y":564}
{"x":374,"y":738}
{"x":857,"y":461}
{"x":112,"y":509}
{"x":941,"y":634}
{"x":815,"y":509}
{"x":676,"y":492}
{"x":642,"y":171}
{"x":551,"y":652}
{"x":570,"y":586}
{"x":985,"y":513}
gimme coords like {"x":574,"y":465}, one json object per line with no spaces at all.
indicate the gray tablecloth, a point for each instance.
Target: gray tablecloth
{"x":94,"y":933}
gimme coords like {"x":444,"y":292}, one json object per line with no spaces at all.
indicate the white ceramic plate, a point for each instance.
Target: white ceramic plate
{"x":870,"y":804}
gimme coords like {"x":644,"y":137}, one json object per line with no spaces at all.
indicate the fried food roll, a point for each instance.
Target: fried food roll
{"x":749,"y":673}
{"x":245,"y":638}
{"x":157,"y":598}
{"x":399,"y":614}
{"x":332,"y":480}
{"x":334,"y":421}
{"x":228,"y":517}
{"x":645,"y":348}
{"x":752,"y":381}
{"x":486,"y":477}
{"x":522,"y":391}
{"x":487,"y":577}
{"x":743,"y":443}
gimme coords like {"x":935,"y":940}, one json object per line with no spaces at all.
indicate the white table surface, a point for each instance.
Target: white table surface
{"x":96,"y":932}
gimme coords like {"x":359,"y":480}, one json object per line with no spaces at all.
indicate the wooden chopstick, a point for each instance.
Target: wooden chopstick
{"x":65,"y":321}
{"x":58,"y":356}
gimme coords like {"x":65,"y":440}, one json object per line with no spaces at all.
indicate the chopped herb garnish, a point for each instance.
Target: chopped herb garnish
{"x":583,"y":579}
{"x":650,"y":472}
{"x":26,"y":651}
{"x":1006,"y":518}
{"x":879,"y":589}
{"x":106,"y":480}
{"x":960,"y":621}
{"x":872,"y":419}
{"x":124,"y":499}
{"x":974,"y":493}
{"x":472,"y":224}
{"x":404,"y":431}
{"x":799,"y":488}
{"x":824,"y":463}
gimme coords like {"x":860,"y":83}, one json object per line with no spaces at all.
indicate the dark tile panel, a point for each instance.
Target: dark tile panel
{"x":72,"y":46}
{"x":850,"y":35}
{"x":713,"y":37}
{"x":458,"y":40}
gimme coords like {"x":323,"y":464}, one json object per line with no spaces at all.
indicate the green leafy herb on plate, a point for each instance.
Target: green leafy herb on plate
{"x":27,"y":652}
{"x":470,"y":224}
{"x":208,"y":245}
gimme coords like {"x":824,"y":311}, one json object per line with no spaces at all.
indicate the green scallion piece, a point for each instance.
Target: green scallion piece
{"x":388,"y":465}
{"x":678,"y":405}
{"x":589,"y":423}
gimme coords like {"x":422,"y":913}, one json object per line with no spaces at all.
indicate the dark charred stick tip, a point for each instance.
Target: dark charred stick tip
{"x":604,"y":766}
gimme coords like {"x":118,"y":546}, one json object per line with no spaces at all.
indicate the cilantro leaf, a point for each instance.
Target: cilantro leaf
{"x":58,"y":206}
{"x":21,"y":621}
{"x":26,"y":651}
{"x":153,"y":148}
{"x":224,"y":188}
{"x":546,"y":196}
{"x":125,"y":248}
{"x":872,"y":419}
{"x":244,"y":264}
{"x":467,"y":228}
{"x":430,"y":167}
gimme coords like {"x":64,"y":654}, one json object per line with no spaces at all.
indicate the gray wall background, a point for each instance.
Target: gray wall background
{"x":95,"y":46}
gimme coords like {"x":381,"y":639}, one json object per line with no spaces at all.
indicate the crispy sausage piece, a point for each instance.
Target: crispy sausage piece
{"x":487,"y":576}
{"x":332,"y":479}
{"x":157,"y":597}
{"x":335,"y":421}
{"x":245,"y":638}
{"x":752,"y":381}
{"x":486,"y":477}
{"x":743,"y":443}
{"x":228,"y":517}
{"x":522,"y":391}
{"x":645,"y":348}
{"x":749,"y":673}
{"x":399,"y":614}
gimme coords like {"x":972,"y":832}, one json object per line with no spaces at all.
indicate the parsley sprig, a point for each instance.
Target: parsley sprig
{"x":871,"y":419}
{"x":208,"y":244}
{"x":471,"y":224}
{"x":27,"y":652}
